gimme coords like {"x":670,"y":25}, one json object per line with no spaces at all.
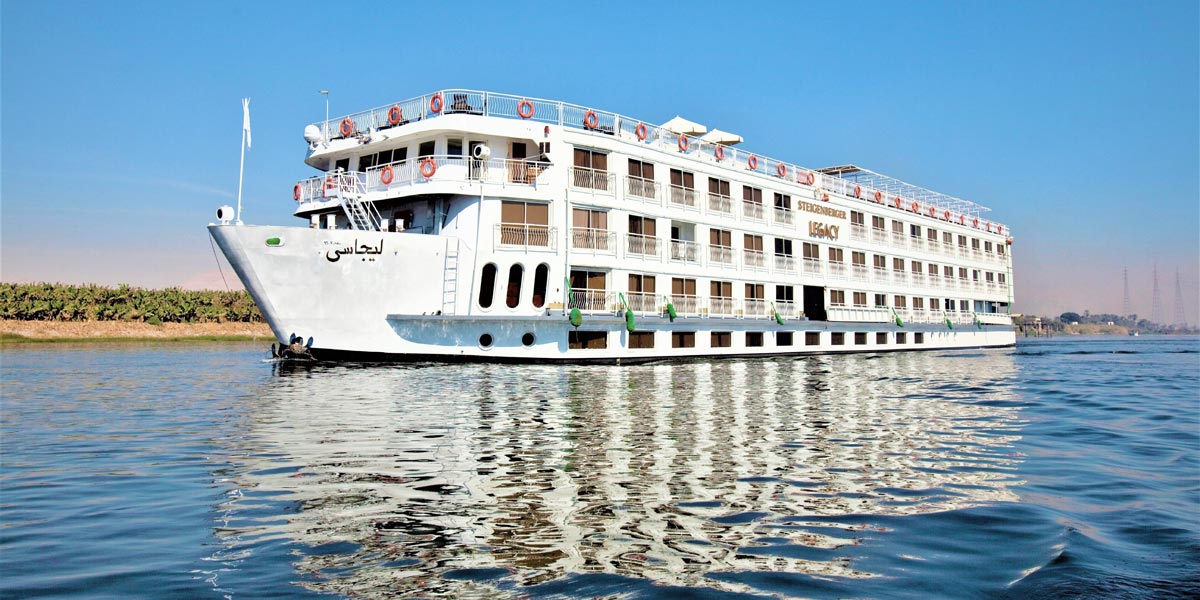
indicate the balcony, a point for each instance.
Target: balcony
{"x":593,"y":180}
{"x":645,"y":190}
{"x":721,"y":255}
{"x":720,"y":204}
{"x":685,"y":305}
{"x":598,"y":241}
{"x":637,"y":245}
{"x":681,"y":196}
{"x":752,"y":211}
{"x":918,"y":278}
{"x":788,"y":309}
{"x":916,"y":243}
{"x":858,"y":314}
{"x":754,"y":308}
{"x":783,"y":216}
{"x":407,"y":173}
{"x":785,"y":263}
{"x":642,"y":302}
{"x":859,"y":273}
{"x":812,"y":266}
{"x":837,"y":270}
{"x":719,"y":306}
{"x":591,"y":300}
{"x":754,"y":259}
{"x":935,"y":280}
{"x":880,"y":275}
{"x":993,"y":319}
{"x":685,"y":251}
{"x":899,"y":240}
{"x":899,"y":276}
{"x":879,"y":237}
{"x":521,"y":235}
{"x":858,"y":233}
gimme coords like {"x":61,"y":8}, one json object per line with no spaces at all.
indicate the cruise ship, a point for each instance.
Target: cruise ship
{"x":469,"y":225}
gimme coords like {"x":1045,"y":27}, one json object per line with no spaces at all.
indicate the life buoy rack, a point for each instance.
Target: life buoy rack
{"x":386,"y":175}
{"x":641,"y":132}
{"x":752,"y":162}
{"x":525,"y":108}
{"x":719,"y":152}
{"x":683,"y":142}
{"x":781,"y":170}
{"x":590,"y":120}
{"x":428,"y":168}
{"x":296,"y":192}
{"x":347,"y":127}
{"x":436,"y":103}
{"x":395,"y":115}
{"x":878,"y":196}
{"x":916,"y":206}
{"x":857,"y":192}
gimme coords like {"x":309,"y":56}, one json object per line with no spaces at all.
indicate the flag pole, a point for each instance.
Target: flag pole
{"x":242,"y":162}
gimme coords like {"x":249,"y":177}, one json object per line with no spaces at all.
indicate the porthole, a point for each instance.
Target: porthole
{"x":528,"y":339}
{"x":485,"y":341}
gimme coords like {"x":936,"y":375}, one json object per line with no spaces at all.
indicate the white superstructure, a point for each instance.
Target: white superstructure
{"x":485,"y":226}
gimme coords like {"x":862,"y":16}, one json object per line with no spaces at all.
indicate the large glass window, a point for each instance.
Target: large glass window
{"x":487,"y":285}
{"x":515,"y":274}
{"x":540,"y":276}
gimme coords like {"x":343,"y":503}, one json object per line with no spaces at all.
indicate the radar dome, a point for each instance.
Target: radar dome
{"x":312,"y":134}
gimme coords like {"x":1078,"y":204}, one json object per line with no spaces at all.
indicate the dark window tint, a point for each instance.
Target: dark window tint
{"x":514,"y":285}
{"x":540,"y":275}
{"x":487,"y":285}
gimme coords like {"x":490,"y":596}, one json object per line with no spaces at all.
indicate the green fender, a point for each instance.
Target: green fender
{"x":576,"y":317}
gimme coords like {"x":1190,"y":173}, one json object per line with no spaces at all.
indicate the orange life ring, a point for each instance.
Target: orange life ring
{"x":989,"y":227}
{"x":296,"y":192}
{"x":386,"y":175}
{"x":428,"y":168}
{"x":436,"y":103}
{"x":752,"y":162}
{"x":329,"y":185}
{"x":683,"y":142}
{"x":878,"y":196}
{"x":946,"y":215}
{"x":898,"y":203}
{"x":933,"y":212}
{"x":1000,"y":230}
{"x":347,"y":127}
{"x":641,"y":132}
{"x":522,"y":106}
{"x":857,"y":192}
{"x":719,"y":152}
{"x":395,"y":115}
{"x":962,"y":219}
{"x":975,"y":222}
{"x":811,"y":179}
{"x":590,"y":120}
{"x":781,"y":170}
{"x":916,"y":206}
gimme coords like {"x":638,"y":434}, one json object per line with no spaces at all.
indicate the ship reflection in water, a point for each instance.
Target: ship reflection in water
{"x":481,"y":479}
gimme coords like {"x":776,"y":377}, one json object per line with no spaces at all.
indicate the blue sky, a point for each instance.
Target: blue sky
{"x":1078,"y":123}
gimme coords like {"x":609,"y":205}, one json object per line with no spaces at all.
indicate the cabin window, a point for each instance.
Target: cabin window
{"x":589,"y":228}
{"x":898,"y":227}
{"x":641,"y":170}
{"x":754,"y":291}
{"x":719,"y":187}
{"x":783,"y":338}
{"x":487,"y":285}
{"x":454,"y":147}
{"x":752,"y":195}
{"x":917,"y":266}
{"x":918,"y":303}
{"x":857,"y":219}
{"x":836,"y":255}
{"x":588,"y":290}
{"x":880,"y":300}
{"x":987,"y":247}
{"x":524,"y":223}
{"x":947,"y":238}
{"x":754,"y":339}
{"x":931,"y":233}
{"x":641,"y":339}
{"x":721,"y":339}
{"x":964,"y":305}
{"x":948,"y":272}
{"x":838,"y":338}
{"x":858,"y":259}
{"x":754,"y":243}
{"x":877,"y":223}
{"x":425,"y":149}
{"x":514,"y":285}
{"x":974,"y":243}
{"x":812,"y":338}
{"x":783,"y":201}
{"x":591,"y":169}
{"x":918,"y":338}
{"x":785,"y":293}
{"x":860,"y":339}
{"x":1001,"y":278}
{"x":783,"y":247}
{"x":811,"y":251}
{"x":540,"y":276}
{"x":900,"y":337}
{"x":341,"y":164}
{"x":914,"y":231}
{"x":881,"y":338}
{"x":880,"y":261}
{"x":683,"y":339}
{"x":837,"y":297}
{"x":860,"y":299}
{"x":900,"y":302}
{"x":587,"y":340}
{"x":962,"y":241}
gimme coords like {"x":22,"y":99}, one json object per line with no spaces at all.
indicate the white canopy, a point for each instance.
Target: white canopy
{"x":717,"y":136}
{"x":682,"y":125}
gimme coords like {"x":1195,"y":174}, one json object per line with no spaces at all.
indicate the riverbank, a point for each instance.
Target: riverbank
{"x":20,"y":332}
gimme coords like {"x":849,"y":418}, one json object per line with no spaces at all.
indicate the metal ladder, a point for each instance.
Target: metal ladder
{"x":362,"y":216}
{"x":450,"y":278}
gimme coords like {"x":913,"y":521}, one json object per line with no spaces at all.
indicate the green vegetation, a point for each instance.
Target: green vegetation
{"x":62,"y":302}
{"x":14,"y":338}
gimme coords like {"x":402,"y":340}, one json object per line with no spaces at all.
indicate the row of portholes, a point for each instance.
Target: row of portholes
{"x":512,"y":295}
{"x":486,"y":340}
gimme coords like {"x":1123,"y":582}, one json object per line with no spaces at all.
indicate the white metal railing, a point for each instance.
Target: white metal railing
{"x":916,"y":243}
{"x":685,"y":251}
{"x":783,"y":216}
{"x":993,"y":319}
{"x":879,"y":236}
{"x":641,"y":245}
{"x":599,"y":241}
{"x":594,"y":180}
{"x":785,"y":263}
{"x":899,"y":276}
{"x":918,"y":278}
{"x":720,"y":255}
{"x":812,"y":266}
{"x":899,"y":240}
{"x":413,"y":171}
{"x":524,"y":235}
{"x":592,"y":300}
{"x":935,"y":280}
{"x":964,"y":283}
{"x":326,"y":187}
{"x":474,"y":102}
{"x":754,"y":307}
{"x":858,"y":314}
{"x":642,"y":302}
{"x":681,"y":196}
{"x":643,"y":189}
{"x":720,"y":306}
{"x":858,"y":233}
{"x":752,"y":211}
{"x":837,"y":270}
{"x":787,"y":309}
{"x":685,"y":304}
{"x":880,"y":275}
{"x":720,"y":204}
{"x":754,"y":259}
{"x":860,"y":273}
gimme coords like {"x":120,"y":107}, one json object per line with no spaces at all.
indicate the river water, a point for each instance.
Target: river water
{"x":1060,"y":468}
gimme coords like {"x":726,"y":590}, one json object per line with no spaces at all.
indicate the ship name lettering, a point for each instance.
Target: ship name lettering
{"x":822,"y":230}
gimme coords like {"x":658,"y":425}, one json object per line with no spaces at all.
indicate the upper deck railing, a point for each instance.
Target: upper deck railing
{"x":885,"y":191}
{"x":418,"y":171}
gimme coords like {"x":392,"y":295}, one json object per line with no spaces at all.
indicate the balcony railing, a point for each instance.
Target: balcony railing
{"x":720,"y":204}
{"x":722,"y":255}
{"x":899,"y":276}
{"x":681,"y":196}
{"x":918,"y":278}
{"x":858,"y":314}
{"x":641,"y":245}
{"x":879,"y":236}
{"x":935,"y":280}
{"x":783,"y":216}
{"x":641,"y":189}
{"x":752,"y":308}
{"x":899,"y":240}
{"x":594,"y":180}
{"x":787,"y":309}
{"x":754,"y":259}
{"x":752,"y":211}
{"x":521,"y":235}
{"x":916,"y":243}
{"x":785,"y":263}
{"x":685,"y":251}
{"x":642,"y":302}
{"x":880,"y":275}
{"x":685,"y":305}
{"x":994,"y":319}
{"x":858,"y":233}
{"x":720,"y":306}
{"x":837,"y":270}
{"x":591,"y":300}
{"x":859,"y":273}
{"x":812,"y":266}
{"x":599,"y":241}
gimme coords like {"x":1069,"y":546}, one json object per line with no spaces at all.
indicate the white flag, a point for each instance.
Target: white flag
{"x":246,"y":119}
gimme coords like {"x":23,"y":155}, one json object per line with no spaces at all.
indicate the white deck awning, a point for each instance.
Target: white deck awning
{"x":724,"y":138}
{"x":682,"y":125}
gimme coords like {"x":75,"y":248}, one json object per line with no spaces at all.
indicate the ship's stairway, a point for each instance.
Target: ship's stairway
{"x":450,"y":277}
{"x":362,"y":215}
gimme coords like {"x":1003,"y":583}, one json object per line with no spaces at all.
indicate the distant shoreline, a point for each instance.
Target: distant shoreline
{"x":33,"y":332}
